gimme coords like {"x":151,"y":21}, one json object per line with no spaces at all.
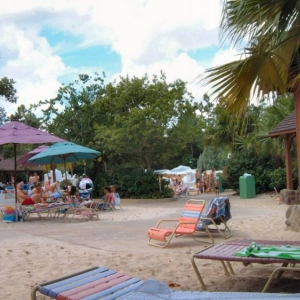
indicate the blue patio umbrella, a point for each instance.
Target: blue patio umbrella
{"x":62,"y":153}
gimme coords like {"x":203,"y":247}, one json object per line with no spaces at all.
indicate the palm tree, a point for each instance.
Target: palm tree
{"x":269,"y":31}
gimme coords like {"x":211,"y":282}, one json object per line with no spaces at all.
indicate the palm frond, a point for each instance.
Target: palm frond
{"x":249,"y":18}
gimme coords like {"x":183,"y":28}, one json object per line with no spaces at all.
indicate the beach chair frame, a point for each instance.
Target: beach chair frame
{"x":212,"y":219}
{"x":160,"y":236}
{"x":225,"y":253}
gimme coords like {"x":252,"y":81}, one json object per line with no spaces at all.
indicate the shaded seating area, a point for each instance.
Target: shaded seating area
{"x":162,"y":234}
{"x":104,"y":283}
{"x":216,"y":217}
{"x":228,"y":252}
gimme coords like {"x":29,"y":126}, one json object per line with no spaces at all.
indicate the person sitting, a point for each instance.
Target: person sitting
{"x":53,"y":193}
{"x":73,"y":197}
{"x":182,"y":190}
{"x":2,"y":188}
{"x":48,"y":184}
{"x":37,"y":193}
{"x":108,"y":199}
{"x":23,"y":197}
{"x":115,"y":195}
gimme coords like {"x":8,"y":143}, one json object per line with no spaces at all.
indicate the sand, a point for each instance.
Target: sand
{"x":36,"y":251}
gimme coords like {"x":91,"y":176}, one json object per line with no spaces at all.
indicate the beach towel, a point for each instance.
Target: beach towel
{"x":283,"y":252}
{"x":219,"y":207}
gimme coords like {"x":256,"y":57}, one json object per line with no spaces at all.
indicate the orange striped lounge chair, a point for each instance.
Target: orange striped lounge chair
{"x":161,"y":236}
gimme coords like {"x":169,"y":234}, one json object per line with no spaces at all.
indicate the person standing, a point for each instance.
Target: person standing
{"x":206,"y":182}
{"x":217,"y":186}
{"x":212,"y":180}
{"x":198,"y":176}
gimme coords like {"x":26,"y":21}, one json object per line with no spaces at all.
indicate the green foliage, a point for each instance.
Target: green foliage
{"x":133,"y":184}
{"x":77,"y":120}
{"x":26,"y":116}
{"x":3,"y":116}
{"x":149,"y":123}
{"x":212,"y":157}
{"x":144,"y":120}
{"x":7,"y":90}
{"x":261,"y":167}
{"x":278,"y":179}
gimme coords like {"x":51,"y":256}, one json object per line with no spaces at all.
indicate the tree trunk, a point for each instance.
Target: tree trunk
{"x":297,"y":110}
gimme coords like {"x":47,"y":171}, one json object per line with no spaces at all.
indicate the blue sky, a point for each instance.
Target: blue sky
{"x":46,"y":43}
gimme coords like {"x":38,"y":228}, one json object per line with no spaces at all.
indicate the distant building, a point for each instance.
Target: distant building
{"x":7,"y":167}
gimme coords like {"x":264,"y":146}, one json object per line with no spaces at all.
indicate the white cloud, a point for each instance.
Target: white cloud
{"x":31,"y":64}
{"x":149,"y":36}
{"x":225,"y":56}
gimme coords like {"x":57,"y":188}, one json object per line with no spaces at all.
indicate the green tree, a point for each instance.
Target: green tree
{"x":9,"y":93}
{"x":212,"y":158}
{"x":26,"y":116}
{"x":3,"y":116}
{"x":269,"y":32}
{"x":138,"y":114}
{"x":72,"y":114}
{"x":7,"y":90}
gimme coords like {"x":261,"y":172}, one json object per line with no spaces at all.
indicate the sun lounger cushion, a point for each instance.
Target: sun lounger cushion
{"x":97,"y":283}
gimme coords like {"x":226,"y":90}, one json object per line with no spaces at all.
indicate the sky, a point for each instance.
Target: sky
{"x":45,"y":44}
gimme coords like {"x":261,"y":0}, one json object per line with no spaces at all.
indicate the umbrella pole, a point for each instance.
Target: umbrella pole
{"x":65,"y":170}
{"x":15,"y":182}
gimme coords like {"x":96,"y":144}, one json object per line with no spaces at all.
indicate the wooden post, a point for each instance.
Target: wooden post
{"x":297,"y":110}
{"x":288,"y":161}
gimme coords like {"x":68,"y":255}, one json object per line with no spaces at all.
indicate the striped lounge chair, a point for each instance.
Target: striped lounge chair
{"x":160,"y":236}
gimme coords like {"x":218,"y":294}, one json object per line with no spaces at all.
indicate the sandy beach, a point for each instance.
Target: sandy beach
{"x":36,"y":251}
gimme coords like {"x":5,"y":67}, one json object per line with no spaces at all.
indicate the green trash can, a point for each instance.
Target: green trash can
{"x":247,"y":187}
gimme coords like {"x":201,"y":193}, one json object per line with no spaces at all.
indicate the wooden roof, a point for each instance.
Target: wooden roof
{"x":286,"y":126}
{"x":8,"y":165}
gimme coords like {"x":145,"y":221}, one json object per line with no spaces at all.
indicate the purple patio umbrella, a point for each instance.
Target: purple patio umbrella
{"x":23,"y":161}
{"x":15,"y":133}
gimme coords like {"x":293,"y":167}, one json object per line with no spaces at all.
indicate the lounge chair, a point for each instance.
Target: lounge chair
{"x":103,"y":283}
{"x":84,"y":212}
{"x":218,"y":213}
{"x":186,"y":225}
{"x":227,"y":252}
{"x":97,"y":283}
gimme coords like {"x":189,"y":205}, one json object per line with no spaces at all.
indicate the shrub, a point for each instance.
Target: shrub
{"x":133,"y":184}
{"x":278,"y":179}
{"x":267,"y":171}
